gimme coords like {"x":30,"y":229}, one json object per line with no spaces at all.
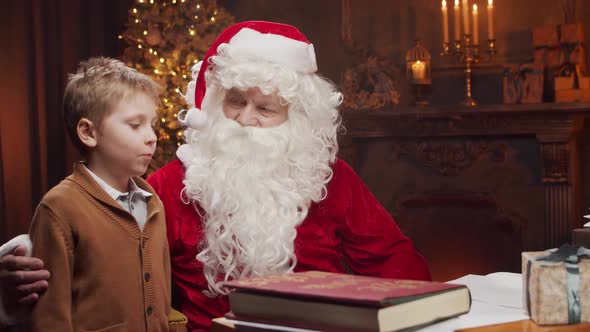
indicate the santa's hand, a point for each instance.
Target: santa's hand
{"x":22,"y":281}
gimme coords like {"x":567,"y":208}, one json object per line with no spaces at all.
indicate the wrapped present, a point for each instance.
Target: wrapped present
{"x":555,"y":57}
{"x":540,"y":56}
{"x":545,"y":36}
{"x":512,"y":84}
{"x":564,"y":82}
{"x":566,"y":77}
{"x":556,"y":285}
{"x":578,"y":57}
{"x":552,"y":57}
{"x":572,"y":96}
{"x":571,"y":33}
{"x":532,"y":91}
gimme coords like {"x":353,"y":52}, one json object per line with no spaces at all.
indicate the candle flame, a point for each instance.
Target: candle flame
{"x":490,"y":2}
{"x":456,"y":3}
{"x":444,"y":4}
{"x":474,"y":8}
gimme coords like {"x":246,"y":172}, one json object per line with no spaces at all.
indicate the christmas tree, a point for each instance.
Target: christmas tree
{"x":165,"y":39}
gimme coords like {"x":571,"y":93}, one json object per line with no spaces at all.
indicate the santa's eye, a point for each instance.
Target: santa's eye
{"x":235,"y":100}
{"x":267,"y":111}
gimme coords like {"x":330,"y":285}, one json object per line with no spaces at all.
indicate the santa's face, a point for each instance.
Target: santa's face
{"x":252,"y":108}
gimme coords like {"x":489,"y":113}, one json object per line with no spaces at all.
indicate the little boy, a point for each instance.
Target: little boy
{"x":101,"y":231}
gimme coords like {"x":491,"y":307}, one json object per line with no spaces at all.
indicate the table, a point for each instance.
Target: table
{"x":528,"y":326}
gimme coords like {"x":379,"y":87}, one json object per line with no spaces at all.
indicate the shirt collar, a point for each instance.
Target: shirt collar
{"x":114,"y":193}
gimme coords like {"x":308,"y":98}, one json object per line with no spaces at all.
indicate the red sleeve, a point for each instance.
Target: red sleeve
{"x":167,"y":183}
{"x":372,"y":242}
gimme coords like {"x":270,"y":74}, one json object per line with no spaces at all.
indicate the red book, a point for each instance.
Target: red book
{"x":329,"y":301}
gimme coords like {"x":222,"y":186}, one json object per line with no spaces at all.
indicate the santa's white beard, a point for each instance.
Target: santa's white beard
{"x":255,"y":186}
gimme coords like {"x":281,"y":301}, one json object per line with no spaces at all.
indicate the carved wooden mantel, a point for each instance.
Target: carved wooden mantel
{"x":556,"y":127}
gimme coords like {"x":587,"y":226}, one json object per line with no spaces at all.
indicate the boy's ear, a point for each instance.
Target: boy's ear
{"x":87,"y":132}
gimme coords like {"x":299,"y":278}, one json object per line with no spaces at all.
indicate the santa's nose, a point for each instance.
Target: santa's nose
{"x":247,"y":117}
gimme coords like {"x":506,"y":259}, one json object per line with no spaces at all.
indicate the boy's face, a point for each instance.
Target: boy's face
{"x":125,"y":140}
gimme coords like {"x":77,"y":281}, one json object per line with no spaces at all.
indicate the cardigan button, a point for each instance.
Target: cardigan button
{"x":149,"y":310}
{"x":146,"y":276}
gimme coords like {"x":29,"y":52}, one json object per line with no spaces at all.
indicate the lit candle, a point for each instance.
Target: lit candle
{"x":490,"y":19}
{"x":418,"y":70}
{"x":465,"y":17}
{"x":445,"y":16}
{"x":457,"y":21}
{"x":475,"y":31}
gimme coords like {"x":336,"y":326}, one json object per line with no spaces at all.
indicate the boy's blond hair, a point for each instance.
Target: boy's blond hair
{"x":97,"y":87}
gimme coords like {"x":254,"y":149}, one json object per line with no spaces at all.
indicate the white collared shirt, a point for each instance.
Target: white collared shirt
{"x":134,"y":201}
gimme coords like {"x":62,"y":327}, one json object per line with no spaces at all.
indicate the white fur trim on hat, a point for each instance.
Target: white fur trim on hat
{"x":276,"y":48}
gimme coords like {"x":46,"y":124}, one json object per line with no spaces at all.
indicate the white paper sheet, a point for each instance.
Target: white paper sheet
{"x":496,"y":298}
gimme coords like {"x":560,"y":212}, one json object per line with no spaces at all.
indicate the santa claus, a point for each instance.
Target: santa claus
{"x":257,"y":188}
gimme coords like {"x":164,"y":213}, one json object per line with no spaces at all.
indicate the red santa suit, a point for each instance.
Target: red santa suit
{"x":348,"y":231}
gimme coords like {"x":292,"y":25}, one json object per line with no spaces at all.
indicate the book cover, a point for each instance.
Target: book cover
{"x":341,"y":288}
{"x":337,"y":302}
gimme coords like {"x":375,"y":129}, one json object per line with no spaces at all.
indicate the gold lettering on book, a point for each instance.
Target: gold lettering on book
{"x":391,"y":285}
{"x":274,"y":279}
{"x":331,"y":285}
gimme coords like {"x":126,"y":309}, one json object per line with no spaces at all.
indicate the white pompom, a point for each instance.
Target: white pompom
{"x":195,"y":119}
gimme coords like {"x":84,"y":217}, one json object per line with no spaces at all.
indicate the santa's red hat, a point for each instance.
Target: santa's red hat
{"x":274,"y":42}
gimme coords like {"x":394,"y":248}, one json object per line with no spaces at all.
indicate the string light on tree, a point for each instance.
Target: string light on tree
{"x":165,"y":38}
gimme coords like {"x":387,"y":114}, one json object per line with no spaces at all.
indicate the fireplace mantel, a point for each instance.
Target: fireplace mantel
{"x":447,"y":145}
{"x":548,"y":122}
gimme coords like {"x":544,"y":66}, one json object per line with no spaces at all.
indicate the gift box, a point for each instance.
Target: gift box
{"x":532,"y":90}
{"x":571,"y":33}
{"x":578,"y":56}
{"x":552,"y":57}
{"x":556,"y":285}
{"x":564,"y":82}
{"x":512,"y":84}
{"x":567,"y":77}
{"x":545,"y":36}
{"x":572,"y":96}
{"x":540,"y":56}
{"x":555,"y":57}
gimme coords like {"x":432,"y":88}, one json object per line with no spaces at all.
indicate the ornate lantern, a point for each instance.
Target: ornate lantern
{"x":418,"y":71}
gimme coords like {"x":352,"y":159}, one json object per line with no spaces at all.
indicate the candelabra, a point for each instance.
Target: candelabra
{"x":468,"y":54}
{"x":470,"y":57}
